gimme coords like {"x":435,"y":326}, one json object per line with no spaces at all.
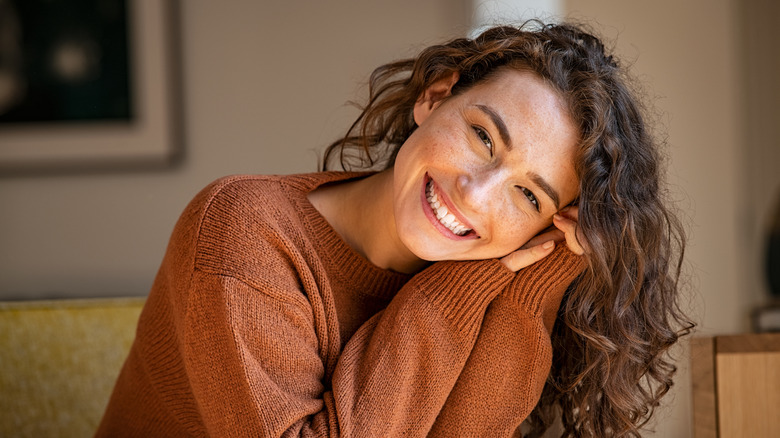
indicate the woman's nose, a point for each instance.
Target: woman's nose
{"x":479,"y":190}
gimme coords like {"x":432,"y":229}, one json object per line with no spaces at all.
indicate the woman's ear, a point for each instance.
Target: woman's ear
{"x":433,"y":96}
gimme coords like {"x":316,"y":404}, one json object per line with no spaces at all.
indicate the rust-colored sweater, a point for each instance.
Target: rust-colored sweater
{"x":262,"y":321}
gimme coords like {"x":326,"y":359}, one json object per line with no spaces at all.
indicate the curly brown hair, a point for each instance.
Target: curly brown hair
{"x":611,"y":362}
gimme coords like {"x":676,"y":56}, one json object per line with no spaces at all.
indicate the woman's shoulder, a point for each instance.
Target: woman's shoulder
{"x":239,"y":203}
{"x":230,"y":197}
{"x":236,"y":191}
{"x":262,"y":189}
{"x":239,"y":217}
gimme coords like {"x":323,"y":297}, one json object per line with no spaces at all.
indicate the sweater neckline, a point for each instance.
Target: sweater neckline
{"x":348,"y":264}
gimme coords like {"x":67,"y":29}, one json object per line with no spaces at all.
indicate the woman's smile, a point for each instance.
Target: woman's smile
{"x":444,"y":216}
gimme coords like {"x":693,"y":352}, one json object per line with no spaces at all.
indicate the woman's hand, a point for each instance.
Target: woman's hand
{"x":564,"y":229}
{"x":566,"y":222}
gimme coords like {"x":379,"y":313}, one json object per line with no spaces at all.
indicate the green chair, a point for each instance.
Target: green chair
{"x":59,"y":361}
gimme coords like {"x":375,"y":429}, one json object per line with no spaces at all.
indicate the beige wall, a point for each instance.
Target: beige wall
{"x":265,"y":84}
{"x":760,"y":56}
{"x":685,"y":54}
{"x":688,"y":54}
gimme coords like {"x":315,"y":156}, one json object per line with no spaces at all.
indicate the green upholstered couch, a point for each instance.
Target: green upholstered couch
{"x":58,"y":363}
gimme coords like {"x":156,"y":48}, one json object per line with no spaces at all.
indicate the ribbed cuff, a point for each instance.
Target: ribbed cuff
{"x":544,"y":283}
{"x":463,"y":290}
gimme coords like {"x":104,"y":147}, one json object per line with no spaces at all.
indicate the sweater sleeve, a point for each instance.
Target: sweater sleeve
{"x":255,"y":368}
{"x":509,"y":364}
{"x":398,"y":369}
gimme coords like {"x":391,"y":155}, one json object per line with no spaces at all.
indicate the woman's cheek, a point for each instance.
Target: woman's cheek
{"x":524,"y":231}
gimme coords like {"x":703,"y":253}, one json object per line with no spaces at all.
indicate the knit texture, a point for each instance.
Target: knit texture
{"x":262,"y":321}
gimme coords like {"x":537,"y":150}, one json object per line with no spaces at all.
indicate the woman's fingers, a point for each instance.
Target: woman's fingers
{"x":568,"y":225}
{"x":523,"y":257}
{"x":564,"y":229}
{"x":551,"y":233}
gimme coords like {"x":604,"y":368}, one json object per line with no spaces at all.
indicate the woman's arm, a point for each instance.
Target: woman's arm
{"x":260,"y":370}
{"x":506,"y":371}
{"x":397,"y":371}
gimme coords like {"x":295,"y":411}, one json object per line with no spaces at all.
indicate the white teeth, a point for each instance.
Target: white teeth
{"x":442,"y":214}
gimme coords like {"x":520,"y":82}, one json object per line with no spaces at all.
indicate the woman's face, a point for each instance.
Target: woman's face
{"x":485,"y":170}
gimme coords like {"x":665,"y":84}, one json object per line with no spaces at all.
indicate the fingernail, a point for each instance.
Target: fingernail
{"x":549,"y":244}
{"x":565,"y":209}
{"x":557,"y":217}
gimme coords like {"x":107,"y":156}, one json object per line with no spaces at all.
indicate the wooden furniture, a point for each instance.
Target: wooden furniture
{"x":736,"y":386}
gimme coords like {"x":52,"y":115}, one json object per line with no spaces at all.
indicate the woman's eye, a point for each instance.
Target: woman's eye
{"x":531,"y":197}
{"x":485,"y":138}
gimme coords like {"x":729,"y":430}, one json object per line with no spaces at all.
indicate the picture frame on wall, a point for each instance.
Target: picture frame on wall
{"x":88,"y":85}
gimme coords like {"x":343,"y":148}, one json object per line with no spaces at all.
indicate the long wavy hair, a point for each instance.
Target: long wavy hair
{"x":611,"y":362}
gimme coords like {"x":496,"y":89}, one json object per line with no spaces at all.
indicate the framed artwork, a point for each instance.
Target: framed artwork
{"x":87,"y":84}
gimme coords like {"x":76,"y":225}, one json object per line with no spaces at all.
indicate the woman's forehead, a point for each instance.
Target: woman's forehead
{"x":523,"y":100}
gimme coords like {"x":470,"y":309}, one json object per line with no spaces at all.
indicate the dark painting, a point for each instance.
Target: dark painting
{"x":64,"y":61}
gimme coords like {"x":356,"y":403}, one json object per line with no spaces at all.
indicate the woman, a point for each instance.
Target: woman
{"x":519,"y":164}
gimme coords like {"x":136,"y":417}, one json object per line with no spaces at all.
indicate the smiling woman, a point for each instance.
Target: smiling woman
{"x":500,"y":157}
{"x":512,"y":263}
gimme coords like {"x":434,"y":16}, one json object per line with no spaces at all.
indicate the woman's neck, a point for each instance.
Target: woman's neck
{"x":361,"y":212}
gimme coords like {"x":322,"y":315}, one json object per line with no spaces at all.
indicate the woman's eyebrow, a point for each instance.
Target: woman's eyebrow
{"x":500,"y":125}
{"x":504,"y":133}
{"x":546,"y":187}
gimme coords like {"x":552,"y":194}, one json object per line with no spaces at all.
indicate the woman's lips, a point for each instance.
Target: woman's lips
{"x":448,"y":221}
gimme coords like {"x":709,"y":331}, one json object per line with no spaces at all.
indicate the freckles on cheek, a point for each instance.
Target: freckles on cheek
{"x":519,"y":230}
{"x":443,"y":141}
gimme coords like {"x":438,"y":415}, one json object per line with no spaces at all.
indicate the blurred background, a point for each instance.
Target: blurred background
{"x":263,"y":87}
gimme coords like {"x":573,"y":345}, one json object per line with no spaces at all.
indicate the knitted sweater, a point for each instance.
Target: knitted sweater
{"x":262,"y":321}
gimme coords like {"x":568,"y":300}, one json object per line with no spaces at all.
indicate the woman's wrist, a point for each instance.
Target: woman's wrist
{"x":463,"y":289}
{"x":536,"y":285}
